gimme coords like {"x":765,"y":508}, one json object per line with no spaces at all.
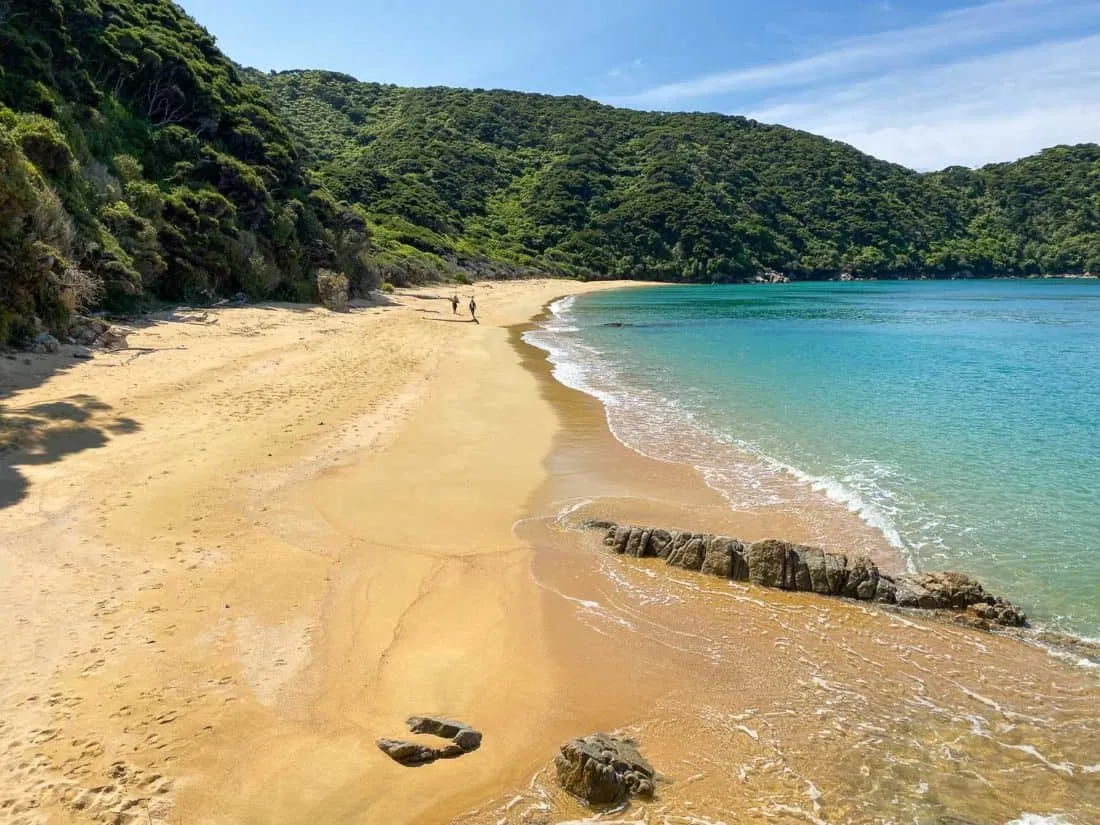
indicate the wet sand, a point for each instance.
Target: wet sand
{"x":236,"y":559}
{"x":767,"y":706}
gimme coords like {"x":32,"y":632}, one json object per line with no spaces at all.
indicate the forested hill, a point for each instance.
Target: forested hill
{"x":566,"y":184}
{"x":135,"y":158}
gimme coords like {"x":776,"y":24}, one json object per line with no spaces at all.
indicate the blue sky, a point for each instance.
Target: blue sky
{"x":926,"y":83}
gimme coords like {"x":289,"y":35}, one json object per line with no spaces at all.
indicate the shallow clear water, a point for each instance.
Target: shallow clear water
{"x":961,"y":418}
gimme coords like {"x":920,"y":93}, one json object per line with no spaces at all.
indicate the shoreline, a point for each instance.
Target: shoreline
{"x":269,"y":547}
{"x":593,"y":474}
{"x":659,"y":430}
{"x":835,"y":521}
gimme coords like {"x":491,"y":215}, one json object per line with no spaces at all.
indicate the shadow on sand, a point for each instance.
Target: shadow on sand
{"x":45,"y":433}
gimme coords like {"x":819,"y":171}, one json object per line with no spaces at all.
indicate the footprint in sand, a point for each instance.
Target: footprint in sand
{"x":95,"y":666}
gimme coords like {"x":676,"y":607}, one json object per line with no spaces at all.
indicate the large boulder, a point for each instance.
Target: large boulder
{"x":862,"y":579}
{"x":604,"y":770}
{"x":660,"y":543}
{"x":771,"y":563}
{"x":944,"y":590}
{"x":687,"y":551}
{"x":725,"y":557}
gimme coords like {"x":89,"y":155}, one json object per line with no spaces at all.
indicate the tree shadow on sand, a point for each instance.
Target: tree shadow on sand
{"x":48,"y":432}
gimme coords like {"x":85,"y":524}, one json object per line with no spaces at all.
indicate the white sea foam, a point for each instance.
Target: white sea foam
{"x":1040,"y":819}
{"x":648,"y":423}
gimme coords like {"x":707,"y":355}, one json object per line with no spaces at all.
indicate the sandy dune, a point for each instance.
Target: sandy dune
{"x":239,"y":551}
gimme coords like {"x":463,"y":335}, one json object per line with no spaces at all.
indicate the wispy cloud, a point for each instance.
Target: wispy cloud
{"x":627,"y":70}
{"x":997,"y":107}
{"x":980,"y":84}
{"x":948,"y":32}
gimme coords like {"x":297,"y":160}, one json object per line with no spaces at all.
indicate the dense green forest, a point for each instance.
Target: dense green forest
{"x":134,"y":159}
{"x":137,"y":160}
{"x":568,"y":185}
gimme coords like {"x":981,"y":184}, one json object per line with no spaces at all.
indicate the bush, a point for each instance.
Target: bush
{"x":80,"y":290}
{"x":462,"y":278}
{"x":333,"y":290}
{"x":387,"y":287}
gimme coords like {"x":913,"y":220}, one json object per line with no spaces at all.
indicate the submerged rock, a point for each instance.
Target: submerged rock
{"x":604,"y":770}
{"x":788,"y":566}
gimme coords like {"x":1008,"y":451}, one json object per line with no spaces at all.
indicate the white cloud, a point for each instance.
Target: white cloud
{"x":627,"y":70}
{"x":970,"y":112}
{"x":972,"y":86}
{"x":951,"y":31}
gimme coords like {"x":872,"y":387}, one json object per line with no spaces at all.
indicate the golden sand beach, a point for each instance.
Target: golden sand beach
{"x":238,"y":552}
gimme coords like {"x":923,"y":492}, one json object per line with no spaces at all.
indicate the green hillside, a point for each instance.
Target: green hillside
{"x":136,"y":159}
{"x":567,"y":184}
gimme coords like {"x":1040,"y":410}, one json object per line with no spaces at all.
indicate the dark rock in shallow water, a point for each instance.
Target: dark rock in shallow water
{"x":771,"y":563}
{"x":725,"y":557}
{"x":788,"y":566}
{"x":943,"y":590}
{"x":688,"y":550}
{"x":604,"y":770}
{"x":596,"y":524}
{"x":862,"y":579}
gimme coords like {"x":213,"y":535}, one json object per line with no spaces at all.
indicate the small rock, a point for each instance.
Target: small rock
{"x":435,"y":725}
{"x":82,"y":352}
{"x":113,"y":338}
{"x":604,"y":770}
{"x":464,"y":739}
{"x":468,"y":739}
{"x":44,"y":342}
{"x":408,"y":753}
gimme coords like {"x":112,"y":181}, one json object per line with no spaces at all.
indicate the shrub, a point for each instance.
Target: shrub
{"x":44,"y":143}
{"x":80,"y":290}
{"x":462,"y":278}
{"x":333,"y":290}
{"x":387,"y":287}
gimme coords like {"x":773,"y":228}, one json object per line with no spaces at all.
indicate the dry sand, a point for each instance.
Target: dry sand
{"x":241,"y":550}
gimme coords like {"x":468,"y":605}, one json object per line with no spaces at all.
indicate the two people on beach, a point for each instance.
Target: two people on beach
{"x":473,"y":307}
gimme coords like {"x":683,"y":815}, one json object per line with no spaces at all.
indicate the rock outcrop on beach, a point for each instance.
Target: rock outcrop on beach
{"x":464,"y":739}
{"x":604,"y":770}
{"x":788,"y":566}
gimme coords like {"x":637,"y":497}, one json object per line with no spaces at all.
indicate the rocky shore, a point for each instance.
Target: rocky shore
{"x":788,"y":566}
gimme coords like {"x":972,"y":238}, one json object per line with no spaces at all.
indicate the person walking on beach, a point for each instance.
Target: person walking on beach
{"x":454,"y":304}
{"x":473,"y":310}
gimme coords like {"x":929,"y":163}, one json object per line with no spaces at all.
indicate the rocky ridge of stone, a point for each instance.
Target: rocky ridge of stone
{"x":788,"y":566}
{"x":464,"y":739}
{"x":604,"y":770}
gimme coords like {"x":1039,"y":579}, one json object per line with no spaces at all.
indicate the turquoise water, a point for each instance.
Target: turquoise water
{"x":960,"y":418}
